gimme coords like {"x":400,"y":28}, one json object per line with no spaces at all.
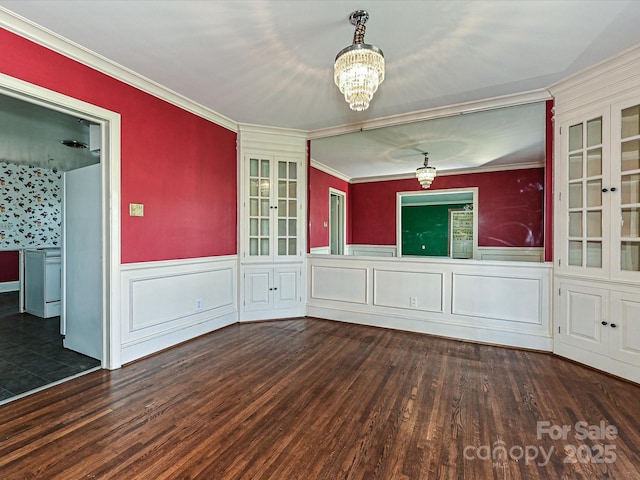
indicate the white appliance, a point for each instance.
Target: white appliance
{"x":42,"y":282}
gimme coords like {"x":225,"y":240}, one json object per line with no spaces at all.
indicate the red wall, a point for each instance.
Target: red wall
{"x":510,"y":207}
{"x":180,"y":166}
{"x":319,"y":184}
{"x":9,"y":268}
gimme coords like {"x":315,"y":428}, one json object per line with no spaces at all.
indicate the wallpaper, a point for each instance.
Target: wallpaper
{"x":30,"y":207}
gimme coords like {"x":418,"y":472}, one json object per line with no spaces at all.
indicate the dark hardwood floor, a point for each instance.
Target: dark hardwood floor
{"x":313,"y":399}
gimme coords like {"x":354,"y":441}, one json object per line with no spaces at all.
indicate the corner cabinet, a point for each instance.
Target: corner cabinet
{"x":597,"y":225}
{"x":272,"y":235}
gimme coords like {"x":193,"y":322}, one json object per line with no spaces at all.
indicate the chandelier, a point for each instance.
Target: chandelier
{"x":426,"y":173}
{"x":359,"y":68}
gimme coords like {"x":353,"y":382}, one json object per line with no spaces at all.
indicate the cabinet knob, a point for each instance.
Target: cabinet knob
{"x":604,"y":190}
{"x":275,"y":288}
{"x":613,"y":189}
{"x":613,"y":325}
{"x":605,"y":323}
{"x":272,"y":289}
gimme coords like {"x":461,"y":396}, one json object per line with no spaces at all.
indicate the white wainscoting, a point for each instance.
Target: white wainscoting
{"x":505,"y":303}
{"x":512,"y":254}
{"x":372,"y":250}
{"x":165,"y":303}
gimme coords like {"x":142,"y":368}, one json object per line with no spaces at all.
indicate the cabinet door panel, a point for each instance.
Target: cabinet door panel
{"x":258,"y":295}
{"x":287,"y":282}
{"x":625,"y":337}
{"x":583,"y":311}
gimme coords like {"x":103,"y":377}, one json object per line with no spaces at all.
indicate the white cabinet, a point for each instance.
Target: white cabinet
{"x":597,"y":217}
{"x":42,"y":282}
{"x":273,"y":289}
{"x":272,"y":206}
{"x":600,"y":326}
{"x":272,"y":238}
{"x":598,"y":193}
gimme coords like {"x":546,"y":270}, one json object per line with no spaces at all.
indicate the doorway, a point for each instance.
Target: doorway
{"x":337,"y":222}
{"x":107,"y":212}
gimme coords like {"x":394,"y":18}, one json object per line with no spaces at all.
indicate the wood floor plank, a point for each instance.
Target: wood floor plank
{"x":315,"y":399}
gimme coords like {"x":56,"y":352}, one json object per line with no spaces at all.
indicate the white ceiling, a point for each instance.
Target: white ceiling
{"x":270,"y":62}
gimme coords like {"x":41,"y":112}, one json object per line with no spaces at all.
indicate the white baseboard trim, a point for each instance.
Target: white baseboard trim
{"x":458,"y":332}
{"x":9,"y":286}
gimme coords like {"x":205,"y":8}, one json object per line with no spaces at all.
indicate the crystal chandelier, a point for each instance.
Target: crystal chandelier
{"x":359,"y":68}
{"x":426,"y":173}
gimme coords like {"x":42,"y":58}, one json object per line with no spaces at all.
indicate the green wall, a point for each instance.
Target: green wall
{"x":425,"y":229}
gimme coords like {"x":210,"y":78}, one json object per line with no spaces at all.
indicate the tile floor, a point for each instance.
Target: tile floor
{"x":31,"y":351}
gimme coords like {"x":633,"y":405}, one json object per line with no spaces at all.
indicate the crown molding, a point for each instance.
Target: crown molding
{"x":267,"y":130}
{"x":330,"y":171}
{"x":32,"y":31}
{"x":532,"y":96}
{"x":605,"y":67}
{"x":444,"y":173}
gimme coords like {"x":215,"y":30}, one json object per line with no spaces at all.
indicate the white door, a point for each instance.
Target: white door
{"x":625,"y":327}
{"x":82,"y":261}
{"x":584,"y":322}
{"x":285,"y":290}
{"x":258,"y":284}
{"x":336,"y":222}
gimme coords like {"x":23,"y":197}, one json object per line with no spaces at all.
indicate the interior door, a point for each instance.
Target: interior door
{"x":336,"y":223}
{"x":82,"y":261}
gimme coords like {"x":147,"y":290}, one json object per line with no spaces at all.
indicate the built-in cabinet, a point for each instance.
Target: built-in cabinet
{"x":272,"y":222}
{"x":597,"y":219}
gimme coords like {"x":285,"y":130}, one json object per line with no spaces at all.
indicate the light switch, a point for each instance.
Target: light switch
{"x":136,"y":210}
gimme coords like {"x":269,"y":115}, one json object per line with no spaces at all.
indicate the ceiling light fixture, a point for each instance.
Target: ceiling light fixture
{"x":359,"y":68}
{"x":426,"y":173}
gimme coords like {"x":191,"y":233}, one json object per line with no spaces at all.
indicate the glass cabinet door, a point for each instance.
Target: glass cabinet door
{"x":287,"y":202}
{"x":273,"y":208}
{"x":259,"y":208}
{"x":629,"y":213}
{"x":585,"y":241}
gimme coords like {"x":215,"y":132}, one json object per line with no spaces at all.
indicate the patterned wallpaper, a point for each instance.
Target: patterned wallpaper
{"x":30,"y":207}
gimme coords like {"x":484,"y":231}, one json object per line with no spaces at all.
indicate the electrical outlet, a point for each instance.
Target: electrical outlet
{"x":413,"y":301}
{"x":198,"y":304}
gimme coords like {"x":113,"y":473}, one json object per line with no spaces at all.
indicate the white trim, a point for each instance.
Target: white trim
{"x":42,"y":36}
{"x":617,"y":62}
{"x":512,"y":254}
{"x":320,"y":251}
{"x":110,"y":165}
{"x":10,"y":286}
{"x":330,"y":171}
{"x":523,"y":98}
{"x":371,"y":250}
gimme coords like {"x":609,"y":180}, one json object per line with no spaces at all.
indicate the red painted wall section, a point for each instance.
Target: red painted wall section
{"x":319,"y":184}
{"x":9,"y":266}
{"x":548,"y":188}
{"x":180,"y":166}
{"x":510,"y":207}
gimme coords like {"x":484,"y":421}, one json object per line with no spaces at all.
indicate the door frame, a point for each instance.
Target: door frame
{"x":334,"y":192}
{"x":110,"y":210}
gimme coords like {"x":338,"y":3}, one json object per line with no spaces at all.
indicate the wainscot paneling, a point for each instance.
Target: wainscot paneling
{"x":165,"y":303}
{"x":496,"y":302}
{"x":402,"y":289}
{"x":493,"y":297}
{"x":339,"y":283}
